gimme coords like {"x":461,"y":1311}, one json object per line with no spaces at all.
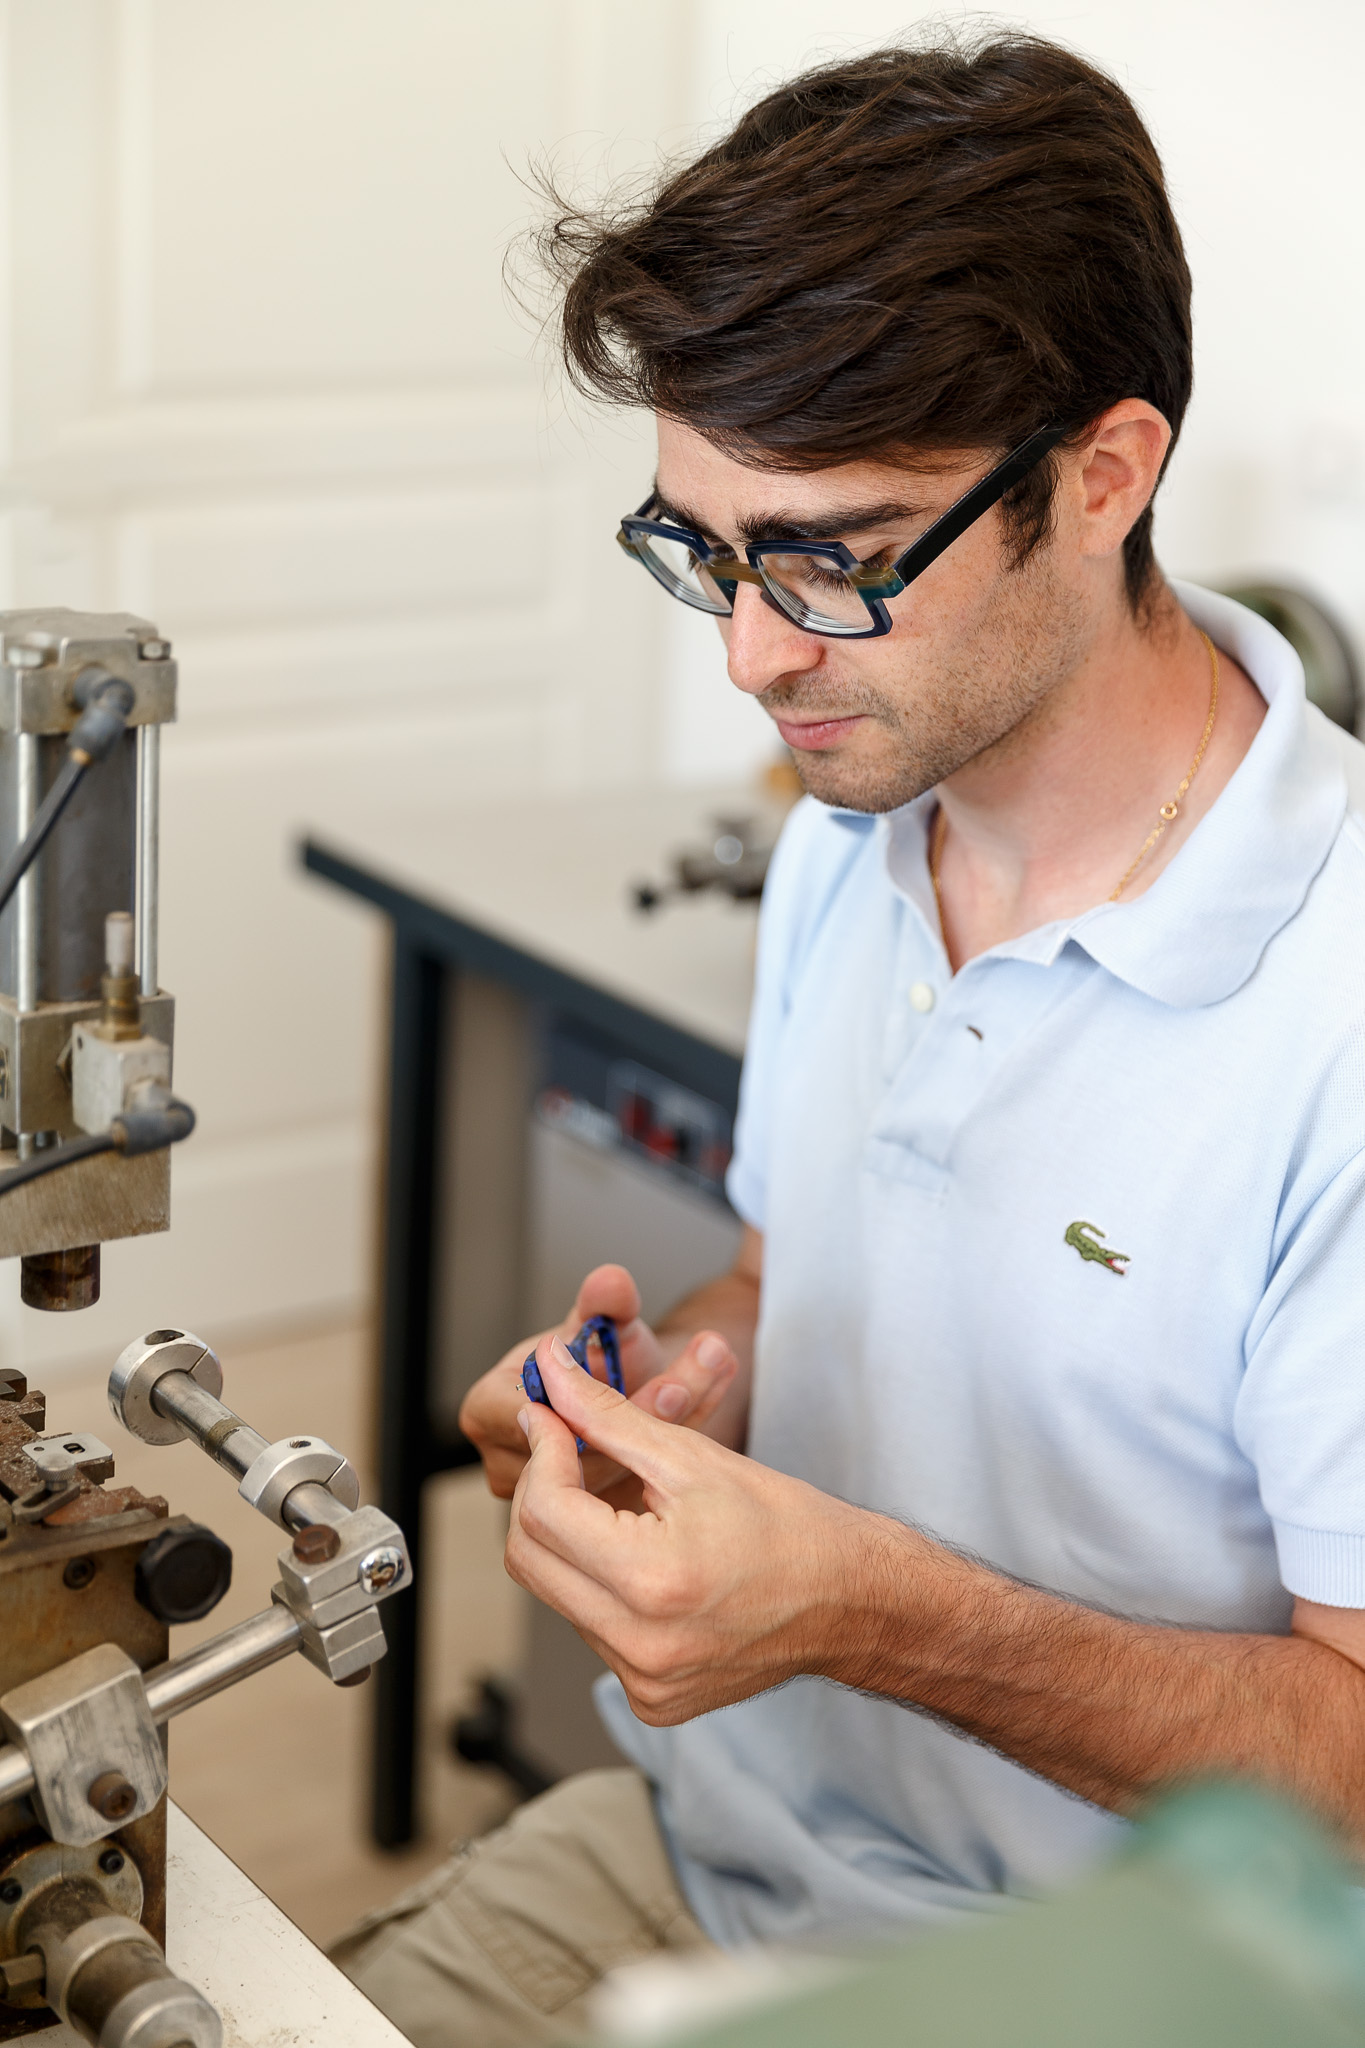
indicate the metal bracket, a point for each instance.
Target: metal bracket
{"x":141,"y":1364}
{"x":280,"y":1467}
{"x":88,"y":1733}
{"x":62,"y":1455}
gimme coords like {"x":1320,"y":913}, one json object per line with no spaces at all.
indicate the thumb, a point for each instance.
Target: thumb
{"x":606,"y":1419}
{"x":608,"y":1291}
{"x":553,"y":1450}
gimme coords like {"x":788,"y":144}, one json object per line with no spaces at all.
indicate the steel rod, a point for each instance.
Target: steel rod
{"x":235,"y":1445}
{"x":229,"y":1441}
{"x":25,"y":896}
{"x":173,"y":1688}
{"x":237,"y":1653}
{"x":147,"y":879}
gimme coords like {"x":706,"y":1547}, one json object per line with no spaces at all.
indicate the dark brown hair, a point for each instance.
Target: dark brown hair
{"x":925,"y":249}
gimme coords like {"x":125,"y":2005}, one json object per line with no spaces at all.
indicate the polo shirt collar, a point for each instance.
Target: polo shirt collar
{"x":1199,"y":932}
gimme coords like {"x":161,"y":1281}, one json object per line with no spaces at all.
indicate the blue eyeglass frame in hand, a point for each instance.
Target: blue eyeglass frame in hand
{"x":601,"y":1327}
{"x":874,"y":586}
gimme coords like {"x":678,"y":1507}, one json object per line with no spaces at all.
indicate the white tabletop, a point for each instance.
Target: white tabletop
{"x":272,"y":1987}
{"x":553,"y":877}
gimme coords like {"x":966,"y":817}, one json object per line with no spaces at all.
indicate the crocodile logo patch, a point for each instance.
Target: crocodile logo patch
{"x":1085,"y":1239}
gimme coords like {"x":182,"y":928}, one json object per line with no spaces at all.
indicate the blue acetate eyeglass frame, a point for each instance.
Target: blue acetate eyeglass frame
{"x":874,"y":586}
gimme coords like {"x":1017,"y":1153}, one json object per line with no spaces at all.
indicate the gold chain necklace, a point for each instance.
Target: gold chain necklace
{"x":1167,"y":815}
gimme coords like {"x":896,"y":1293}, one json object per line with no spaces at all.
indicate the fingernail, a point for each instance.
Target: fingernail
{"x":524,"y":1423}
{"x":670,"y":1400}
{"x":712,"y":1353}
{"x":561,"y":1356}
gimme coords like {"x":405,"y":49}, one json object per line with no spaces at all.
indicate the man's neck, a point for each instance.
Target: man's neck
{"x":1047,"y":822}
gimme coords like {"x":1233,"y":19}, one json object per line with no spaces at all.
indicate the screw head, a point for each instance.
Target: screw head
{"x":111,"y":1862}
{"x":316,"y":1544}
{"x":381,"y":1569}
{"x":111,"y":1795}
{"x":11,"y":1891}
{"x":79,"y":1573}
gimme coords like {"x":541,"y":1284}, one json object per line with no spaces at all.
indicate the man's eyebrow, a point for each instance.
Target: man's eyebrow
{"x":782,"y":525}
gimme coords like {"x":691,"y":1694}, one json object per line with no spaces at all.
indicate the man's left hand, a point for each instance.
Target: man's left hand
{"x":733,"y":1579}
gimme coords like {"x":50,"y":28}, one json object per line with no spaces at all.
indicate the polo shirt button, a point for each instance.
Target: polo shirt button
{"x":921,"y":997}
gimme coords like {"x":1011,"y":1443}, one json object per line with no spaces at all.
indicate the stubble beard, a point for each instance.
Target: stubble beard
{"x":987,"y":695}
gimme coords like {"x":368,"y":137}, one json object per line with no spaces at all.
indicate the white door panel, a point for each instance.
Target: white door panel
{"x":259,"y":379}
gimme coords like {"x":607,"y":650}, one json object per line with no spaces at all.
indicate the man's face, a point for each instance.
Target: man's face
{"x":976,"y":649}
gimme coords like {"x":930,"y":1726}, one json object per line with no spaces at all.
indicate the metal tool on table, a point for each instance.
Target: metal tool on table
{"x":734,"y":863}
{"x":91,"y":1579}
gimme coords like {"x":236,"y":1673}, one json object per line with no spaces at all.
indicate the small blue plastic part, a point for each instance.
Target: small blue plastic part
{"x":601,"y":1327}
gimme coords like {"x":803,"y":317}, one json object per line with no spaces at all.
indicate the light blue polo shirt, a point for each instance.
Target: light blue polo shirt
{"x":1178,"y":1437}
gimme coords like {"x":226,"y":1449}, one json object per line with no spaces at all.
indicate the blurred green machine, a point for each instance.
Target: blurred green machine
{"x":1228,"y":1925}
{"x":1331,"y":671}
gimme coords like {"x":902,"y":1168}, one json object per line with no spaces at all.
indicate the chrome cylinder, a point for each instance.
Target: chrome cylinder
{"x":146,"y":881}
{"x":26,"y":896}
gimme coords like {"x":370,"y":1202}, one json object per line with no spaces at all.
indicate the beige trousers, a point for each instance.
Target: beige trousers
{"x":500,"y":1946}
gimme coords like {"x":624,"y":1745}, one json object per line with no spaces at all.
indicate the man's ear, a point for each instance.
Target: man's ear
{"x":1116,"y":472}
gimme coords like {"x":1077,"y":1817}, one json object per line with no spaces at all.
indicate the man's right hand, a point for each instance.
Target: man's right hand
{"x":680,"y":1379}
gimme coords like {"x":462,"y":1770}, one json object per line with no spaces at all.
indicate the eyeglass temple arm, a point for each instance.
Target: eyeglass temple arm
{"x":977,"y":500}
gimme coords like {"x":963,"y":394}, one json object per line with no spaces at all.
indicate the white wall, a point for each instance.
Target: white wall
{"x":258,"y":381}
{"x":1255,"y":105}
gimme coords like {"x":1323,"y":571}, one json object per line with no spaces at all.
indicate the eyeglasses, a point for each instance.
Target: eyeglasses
{"x":820,"y":585}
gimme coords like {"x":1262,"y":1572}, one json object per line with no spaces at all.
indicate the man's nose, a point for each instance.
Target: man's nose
{"x":763,"y":644}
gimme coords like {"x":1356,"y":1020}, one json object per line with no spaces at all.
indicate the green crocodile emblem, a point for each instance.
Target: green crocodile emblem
{"x":1089,"y":1246}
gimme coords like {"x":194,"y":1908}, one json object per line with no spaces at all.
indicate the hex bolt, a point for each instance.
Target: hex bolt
{"x":112,"y":1797}
{"x":111,"y":1862}
{"x":11,"y":1891}
{"x":79,"y":1573}
{"x":316,"y":1543}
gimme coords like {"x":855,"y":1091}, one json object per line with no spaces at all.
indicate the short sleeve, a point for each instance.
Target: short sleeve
{"x":812,"y":856}
{"x":1301,"y":1411}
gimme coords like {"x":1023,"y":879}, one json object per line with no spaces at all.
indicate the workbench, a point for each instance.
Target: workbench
{"x":510,"y":923}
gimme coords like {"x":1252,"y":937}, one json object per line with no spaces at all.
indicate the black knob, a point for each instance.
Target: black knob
{"x":183,"y":1573}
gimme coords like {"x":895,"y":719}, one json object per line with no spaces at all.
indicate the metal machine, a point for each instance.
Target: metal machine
{"x":91,"y":1579}
{"x":92,"y":1575}
{"x":86,"y":1033}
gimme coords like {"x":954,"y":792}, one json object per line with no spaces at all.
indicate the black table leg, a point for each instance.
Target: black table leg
{"x":405,"y":1460}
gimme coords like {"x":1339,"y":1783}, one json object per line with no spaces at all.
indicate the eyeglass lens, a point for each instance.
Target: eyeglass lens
{"x":815,"y":593}
{"x":678,"y":569}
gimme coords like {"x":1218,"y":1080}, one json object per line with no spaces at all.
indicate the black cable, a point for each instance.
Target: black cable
{"x":135,"y":1131}
{"x":49,"y":810}
{"x":52,"y":1157}
{"x":100,"y":724}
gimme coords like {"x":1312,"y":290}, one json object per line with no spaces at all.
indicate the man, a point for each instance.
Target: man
{"x":1024,"y":1447}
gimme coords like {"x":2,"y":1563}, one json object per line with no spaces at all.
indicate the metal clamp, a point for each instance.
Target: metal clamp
{"x":91,"y":1743}
{"x":334,"y":1592}
{"x":37,"y":1871}
{"x":145,"y":1361}
{"x":59,"y":1457}
{"x":293,"y":1461}
{"x":68,"y":1954}
{"x":138,"y":2001}
{"x":163,"y":2011}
